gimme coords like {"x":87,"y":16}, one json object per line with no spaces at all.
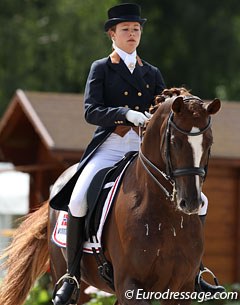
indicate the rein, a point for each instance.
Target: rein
{"x":170,"y":173}
{"x":144,"y":160}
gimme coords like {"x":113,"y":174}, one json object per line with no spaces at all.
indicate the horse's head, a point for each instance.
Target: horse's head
{"x":188,"y":142}
{"x":185,"y":142}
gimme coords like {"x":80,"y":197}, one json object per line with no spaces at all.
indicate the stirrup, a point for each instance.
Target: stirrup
{"x":72,"y":280}
{"x":202,"y":286}
{"x":206,"y":270}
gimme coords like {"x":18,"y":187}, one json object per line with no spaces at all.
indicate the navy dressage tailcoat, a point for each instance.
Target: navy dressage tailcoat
{"x":111,"y":90}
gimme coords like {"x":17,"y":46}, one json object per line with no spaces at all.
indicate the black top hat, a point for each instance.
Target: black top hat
{"x":123,"y":12}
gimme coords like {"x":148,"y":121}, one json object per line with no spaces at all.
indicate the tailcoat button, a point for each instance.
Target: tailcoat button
{"x":137,"y":107}
{"x":139,"y":93}
{"x":126,"y":93}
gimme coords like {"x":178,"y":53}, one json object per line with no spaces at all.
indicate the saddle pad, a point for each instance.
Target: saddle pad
{"x":59,"y":233}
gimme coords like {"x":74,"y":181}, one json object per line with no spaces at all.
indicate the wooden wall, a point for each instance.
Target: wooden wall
{"x":222,"y":238}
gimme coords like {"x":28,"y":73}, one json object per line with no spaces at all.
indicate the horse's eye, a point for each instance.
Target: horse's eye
{"x":175,"y":142}
{"x":172,"y":139}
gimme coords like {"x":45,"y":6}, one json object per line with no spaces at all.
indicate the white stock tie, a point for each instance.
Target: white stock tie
{"x":130,"y":61}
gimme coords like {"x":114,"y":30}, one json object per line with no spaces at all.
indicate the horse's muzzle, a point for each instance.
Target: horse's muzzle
{"x":189,"y":206}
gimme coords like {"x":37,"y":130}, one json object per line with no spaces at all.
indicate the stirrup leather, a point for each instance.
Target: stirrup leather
{"x":72,"y":280}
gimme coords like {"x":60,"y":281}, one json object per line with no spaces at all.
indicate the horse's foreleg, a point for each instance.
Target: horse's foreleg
{"x":84,"y":298}
{"x":129,"y":292}
{"x":183,"y":297}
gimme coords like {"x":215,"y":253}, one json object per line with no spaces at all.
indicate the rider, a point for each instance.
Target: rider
{"x":119,"y":90}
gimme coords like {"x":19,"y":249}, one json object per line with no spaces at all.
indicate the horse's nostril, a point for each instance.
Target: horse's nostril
{"x":182,"y":204}
{"x":188,"y":207}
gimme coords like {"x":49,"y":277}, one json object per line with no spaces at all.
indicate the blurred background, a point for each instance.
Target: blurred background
{"x":49,"y":45}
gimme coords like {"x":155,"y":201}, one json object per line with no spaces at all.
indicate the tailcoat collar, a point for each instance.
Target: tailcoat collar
{"x":136,"y":78}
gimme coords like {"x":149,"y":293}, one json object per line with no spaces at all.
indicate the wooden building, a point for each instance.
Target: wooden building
{"x":44,"y":133}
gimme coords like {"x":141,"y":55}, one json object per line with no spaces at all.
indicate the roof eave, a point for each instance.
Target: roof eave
{"x":34,"y":118}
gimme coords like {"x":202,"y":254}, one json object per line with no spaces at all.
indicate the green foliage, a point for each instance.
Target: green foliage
{"x":196,"y":44}
{"x":41,"y":293}
{"x":50,"y":45}
{"x":98,"y":299}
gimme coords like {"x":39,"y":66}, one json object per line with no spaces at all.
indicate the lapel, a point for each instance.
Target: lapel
{"x":137,"y":78}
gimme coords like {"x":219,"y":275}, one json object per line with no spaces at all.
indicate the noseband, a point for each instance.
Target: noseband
{"x":171,"y":173}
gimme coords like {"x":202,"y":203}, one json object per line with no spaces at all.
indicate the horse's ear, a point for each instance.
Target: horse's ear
{"x":177,"y":104}
{"x":214,"y":106}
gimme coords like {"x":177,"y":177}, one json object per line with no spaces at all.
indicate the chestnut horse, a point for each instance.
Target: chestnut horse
{"x":153,"y":237}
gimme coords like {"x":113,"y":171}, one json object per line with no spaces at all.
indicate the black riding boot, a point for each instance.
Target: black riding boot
{"x":70,"y":289}
{"x":200,"y":284}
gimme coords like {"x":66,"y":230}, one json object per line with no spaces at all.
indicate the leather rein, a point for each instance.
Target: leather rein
{"x":171,"y":173}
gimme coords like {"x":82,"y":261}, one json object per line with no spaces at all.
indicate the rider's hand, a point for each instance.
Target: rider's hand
{"x":137,"y":118}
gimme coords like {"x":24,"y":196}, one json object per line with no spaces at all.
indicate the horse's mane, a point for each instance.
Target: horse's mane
{"x":168,"y":93}
{"x":165,"y":98}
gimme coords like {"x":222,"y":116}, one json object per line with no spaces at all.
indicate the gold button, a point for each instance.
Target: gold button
{"x":147,"y":86}
{"x":126,"y":106}
{"x":125,"y":92}
{"x":139,"y":93}
{"x":137,"y":107}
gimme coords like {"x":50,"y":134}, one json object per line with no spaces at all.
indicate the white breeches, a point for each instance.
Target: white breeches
{"x":110,"y":152}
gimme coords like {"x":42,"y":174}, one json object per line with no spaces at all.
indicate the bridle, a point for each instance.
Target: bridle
{"x":199,"y":171}
{"x":172,"y":173}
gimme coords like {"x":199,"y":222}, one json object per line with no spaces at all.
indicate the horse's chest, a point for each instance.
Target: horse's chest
{"x":174,"y":253}
{"x":170,"y":246}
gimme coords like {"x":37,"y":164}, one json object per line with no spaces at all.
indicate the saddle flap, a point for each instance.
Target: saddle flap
{"x":95,"y":191}
{"x":98,"y":191}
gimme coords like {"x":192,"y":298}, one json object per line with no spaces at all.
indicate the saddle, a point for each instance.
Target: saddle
{"x":98,"y":191}
{"x":105,"y":182}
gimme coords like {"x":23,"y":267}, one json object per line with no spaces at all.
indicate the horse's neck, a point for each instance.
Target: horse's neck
{"x":153,"y":139}
{"x":150,"y":172}
{"x":151,"y":149}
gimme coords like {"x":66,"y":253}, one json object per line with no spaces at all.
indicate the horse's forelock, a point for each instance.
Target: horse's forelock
{"x":196,"y":108}
{"x":168,"y":94}
{"x":166,"y":98}
{"x":176,"y":92}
